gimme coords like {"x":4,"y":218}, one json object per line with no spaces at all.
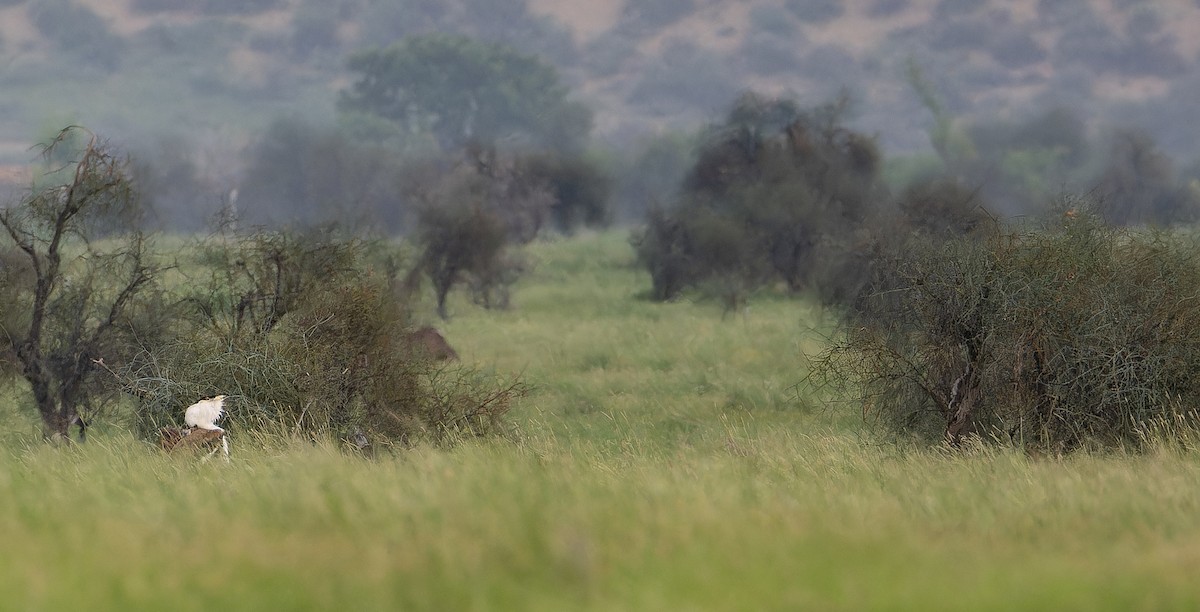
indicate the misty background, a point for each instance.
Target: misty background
{"x":248,"y":102}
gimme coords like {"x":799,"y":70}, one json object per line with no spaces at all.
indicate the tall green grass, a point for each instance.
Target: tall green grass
{"x":610,"y":365}
{"x":663,"y":461}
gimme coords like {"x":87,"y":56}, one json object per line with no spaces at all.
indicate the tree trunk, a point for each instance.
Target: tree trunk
{"x":442,"y":285}
{"x":39,"y":384}
{"x":57,"y":419}
{"x":441,"y":305}
{"x":56,"y":422}
{"x":963,"y":401}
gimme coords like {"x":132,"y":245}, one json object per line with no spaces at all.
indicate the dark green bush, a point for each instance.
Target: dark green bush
{"x":1019,"y":167}
{"x":580,"y":189}
{"x":473,"y":212}
{"x":944,"y":208}
{"x":461,"y":243}
{"x":1138,"y":185}
{"x":173,"y":186}
{"x":1077,"y":335}
{"x":664,"y":249}
{"x":307,"y":335}
{"x":772,"y":192}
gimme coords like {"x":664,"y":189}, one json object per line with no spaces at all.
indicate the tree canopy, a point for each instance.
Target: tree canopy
{"x":771,"y":190}
{"x":459,"y":90}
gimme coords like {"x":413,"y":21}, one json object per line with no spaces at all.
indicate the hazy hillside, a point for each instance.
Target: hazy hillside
{"x":218,"y":69}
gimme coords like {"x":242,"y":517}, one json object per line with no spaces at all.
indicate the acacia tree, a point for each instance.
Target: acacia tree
{"x":75,"y":302}
{"x":460,"y":90}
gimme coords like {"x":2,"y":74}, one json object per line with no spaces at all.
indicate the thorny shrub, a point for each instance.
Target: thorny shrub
{"x":308,"y":335}
{"x":1069,"y":336}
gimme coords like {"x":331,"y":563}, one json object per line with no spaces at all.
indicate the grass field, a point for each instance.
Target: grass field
{"x":664,"y":461}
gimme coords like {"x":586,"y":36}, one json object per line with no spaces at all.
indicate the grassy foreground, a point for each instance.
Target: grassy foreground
{"x":664,"y":461}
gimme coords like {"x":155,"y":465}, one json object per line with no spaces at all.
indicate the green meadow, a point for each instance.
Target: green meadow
{"x":667,"y":458}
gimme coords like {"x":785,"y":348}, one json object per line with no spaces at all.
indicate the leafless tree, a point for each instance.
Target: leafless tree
{"x":87,"y":274}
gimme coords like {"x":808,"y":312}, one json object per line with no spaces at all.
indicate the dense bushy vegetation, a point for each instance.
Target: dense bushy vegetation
{"x":1074,"y":335}
{"x":464,"y":229}
{"x":475,"y":147}
{"x":773,"y":189}
{"x":630,"y":448}
{"x":581,"y":191}
{"x":474,"y":212}
{"x":956,"y":322}
{"x":305,"y":333}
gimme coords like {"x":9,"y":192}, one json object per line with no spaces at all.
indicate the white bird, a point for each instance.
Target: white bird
{"x":204,"y":413}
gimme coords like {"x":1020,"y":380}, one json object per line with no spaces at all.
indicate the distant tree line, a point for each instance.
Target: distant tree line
{"x":958,"y":323}
{"x":469,"y":147}
{"x":781,"y":194}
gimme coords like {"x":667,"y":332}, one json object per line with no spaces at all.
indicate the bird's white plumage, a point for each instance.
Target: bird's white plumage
{"x":204,"y":413}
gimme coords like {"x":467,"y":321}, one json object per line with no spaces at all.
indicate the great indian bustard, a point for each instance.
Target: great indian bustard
{"x":204,"y":414}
